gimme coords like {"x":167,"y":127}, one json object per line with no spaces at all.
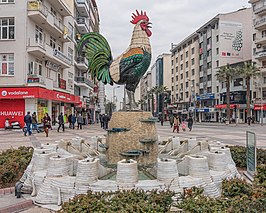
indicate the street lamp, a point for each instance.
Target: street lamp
{"x":114,"y":101}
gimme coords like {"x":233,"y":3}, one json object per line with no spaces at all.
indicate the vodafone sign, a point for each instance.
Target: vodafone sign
{"x":37,"y":92}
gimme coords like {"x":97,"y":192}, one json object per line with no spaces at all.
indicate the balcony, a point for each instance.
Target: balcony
{"x":260,"y":55}
{"x":61,"y":6}
{"x":260,"y":24}
{"x":81,"y":63}
{"x":41,"y":16}
{"x":41,"y":50}
{"x":84,"y":82}
{"x":260,"y":11}
{"x":83,"y":7}
{"x":260,"y":40}
{"x":82,"y":25}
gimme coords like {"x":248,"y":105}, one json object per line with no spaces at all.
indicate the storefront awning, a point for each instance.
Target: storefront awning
{"x":37,"y":92}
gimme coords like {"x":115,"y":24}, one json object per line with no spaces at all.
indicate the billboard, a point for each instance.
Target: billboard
{"x":231,"y":39}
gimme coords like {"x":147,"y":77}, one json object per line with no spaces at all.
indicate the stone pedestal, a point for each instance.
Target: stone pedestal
{"x":138,"y":142}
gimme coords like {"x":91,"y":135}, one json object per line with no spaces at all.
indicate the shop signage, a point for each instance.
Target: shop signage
{"x":251,"y":152}
{"x":205,"y":96}
{"x":12,"y":110}
{"x":202,"y":110}
{"x":259,"y":107}
{"x":223,"y":106}
{"x":37,"y":92}
{"x":52,"y":66}
{"x":33,"y":80}
{"x":58,"y":54}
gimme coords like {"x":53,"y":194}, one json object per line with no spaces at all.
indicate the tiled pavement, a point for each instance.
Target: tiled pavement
{"x":230,"y":134}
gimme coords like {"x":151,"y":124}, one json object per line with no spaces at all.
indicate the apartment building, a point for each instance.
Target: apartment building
{"x":259,"y":57}
{"x":185,"y":75}
{"x":145,"y":86}
{"x":225,"y":39}
{"x":40,"y":70}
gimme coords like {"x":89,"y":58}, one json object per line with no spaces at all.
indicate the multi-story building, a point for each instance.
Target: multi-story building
{"x":185,"y":74}
{"x":163,"y":76}
{"x":39,"y":66}
{"x":259,"y":57}
{"x":225,"y":39}
{"x":145,"y":86}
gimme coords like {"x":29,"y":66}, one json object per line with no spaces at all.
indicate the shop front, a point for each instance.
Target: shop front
{"x":260,"y":111}
{"x":15,"y":102}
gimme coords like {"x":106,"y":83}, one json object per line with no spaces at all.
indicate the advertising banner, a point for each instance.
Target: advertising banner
{"x":251,"y":153}
{"x":231,"y":39}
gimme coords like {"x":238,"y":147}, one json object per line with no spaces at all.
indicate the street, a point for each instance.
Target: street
{"x":228,"y":134}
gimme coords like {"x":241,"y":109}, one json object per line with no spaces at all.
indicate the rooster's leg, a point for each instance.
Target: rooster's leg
{"x":129,"y":104}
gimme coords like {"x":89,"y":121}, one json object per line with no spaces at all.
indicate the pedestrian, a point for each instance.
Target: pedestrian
{"x":184,"y":126}
{"x":35,"y":122}
{"x":249,"y":120}
{"x":61,"y":122}
{"x":171,"y":120}
{"x":161,"y":119}
{"x":190,"y":123}
{"x":46,"y":123}
{"x":176,"y":124}
{"x":28,"y":122}
{"x":80,"y":121}
{"x":73,"y":120}
{"x":106,"y":119}
{"x":101,"y":120}
{"x":69,"y":119}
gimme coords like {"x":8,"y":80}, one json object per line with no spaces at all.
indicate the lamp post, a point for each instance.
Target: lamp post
{"x":114,"y":101}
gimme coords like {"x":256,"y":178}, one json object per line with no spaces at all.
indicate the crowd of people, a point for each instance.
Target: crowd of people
{"x":31,"y":123}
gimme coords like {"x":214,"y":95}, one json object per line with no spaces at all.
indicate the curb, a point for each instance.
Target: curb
{"x":26,"y":204}
{"x":23,"y":205}
{"x":7,"y":191}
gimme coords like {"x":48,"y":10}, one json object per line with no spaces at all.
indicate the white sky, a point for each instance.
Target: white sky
{"x":172,"y":21}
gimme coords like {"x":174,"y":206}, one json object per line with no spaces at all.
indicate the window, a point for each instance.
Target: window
{"x":263,"y":34}
{"x":264,"y":80}
{"x":181,"y":76}
{"x":186,"y":84}
{"x":192,"y":61}
{"x":7,"y":1}
{"x":172,"y":71}
{"x":181,"y":56}
{"x":186,"y":74}
{"x":217,"y":38}
{"x":172,"y":79}
{"x":176,"y":60}
{"x":172,"y":88}
{"x":7,"y":28}
{"x":201,"y":68}
{"x":181,"y":66}
{"x":208,"y":41}
{"x":176,"y":69}
{"x":70,"y":31}
{"x":209,"y":90}
{"x":52,"y":42}
{"x":187,"y":64}
{"x":209,"y":53}
{"x":254,"y":51}
{"x":264,"y":94}
{"x":38,"y":35}
{"x":209,"y":65}
{"x":186,"y":54}
{"x":254,"y":36}
{"x":6,"y":64}
{"x":217,"y":89}
{"x":193,"y":72}
{"x":217,"y":63}
{"x":53,"y":12}
{"x":39,"y":66}
{"x":192,"y":50}
{"x":172,"y":62}
{"x":176,"y":78}
{"x":217,"y":51}
{"x":186,"y":94}
{"x":209,"y":77}
{"x":200,"y":56}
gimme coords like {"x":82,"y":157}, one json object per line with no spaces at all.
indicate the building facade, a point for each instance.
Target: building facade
{"x":185,"y":75}
{"x":259,"y":57}
{"x":40,"y":68}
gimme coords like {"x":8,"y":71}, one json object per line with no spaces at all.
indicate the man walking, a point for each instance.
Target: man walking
{"x":79,"y":121}
{"x":61,"y":122}
{"x":35,"y":122}
{"x":70,"y":121}
{"x":28,"y":121}
{"x":106,"y":119}
{"x":190,"y":123}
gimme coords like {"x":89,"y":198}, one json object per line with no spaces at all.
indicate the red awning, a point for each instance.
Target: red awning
{"x":223,"y":106}
{"x":37,"y":92}
{"x":260,"y":107}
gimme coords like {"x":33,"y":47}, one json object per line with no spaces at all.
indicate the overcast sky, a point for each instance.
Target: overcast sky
{"x":172,"y":21}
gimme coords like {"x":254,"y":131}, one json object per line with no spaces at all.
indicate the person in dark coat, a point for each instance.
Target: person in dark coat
{"x":190,"y":123}
{"x":106,"y":119}
{"x":69,"y":119}
{"x":74,"y":119}
{"x":28,"y":122}
{"x":46,"y":123}
{"x":101,"y":120}
{"x":61,"y":122}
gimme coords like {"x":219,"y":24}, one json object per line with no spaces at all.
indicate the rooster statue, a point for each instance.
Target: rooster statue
{"x":129,"y":67}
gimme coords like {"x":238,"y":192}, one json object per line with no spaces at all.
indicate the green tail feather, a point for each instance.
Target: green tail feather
{"x":98,"y":53}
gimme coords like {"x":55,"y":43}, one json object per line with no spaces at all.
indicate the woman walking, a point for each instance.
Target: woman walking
{"x":176,"y":124}
{"x":46,"y":123}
